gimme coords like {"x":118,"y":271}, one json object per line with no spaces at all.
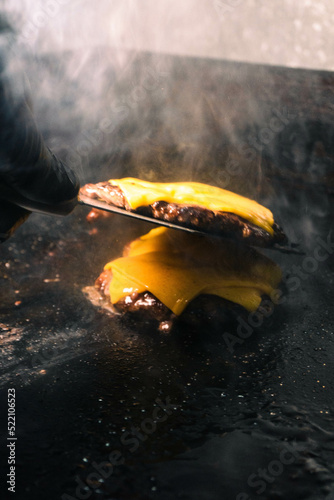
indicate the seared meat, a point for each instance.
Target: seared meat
{"x":145,"y":306}
{"x":221,"y":223}
{"x":149,"y":305}
{"x":145,"y":303}
{"x":106,"y":192}
{"x":102,"y":283}
{"x":225,"y":224}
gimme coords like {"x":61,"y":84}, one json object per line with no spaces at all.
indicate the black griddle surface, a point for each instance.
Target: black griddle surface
{"x":255,"y":421}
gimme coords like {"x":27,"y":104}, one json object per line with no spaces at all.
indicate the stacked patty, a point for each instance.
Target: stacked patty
{"x":168,"y":273}
{"x":195,"y":206}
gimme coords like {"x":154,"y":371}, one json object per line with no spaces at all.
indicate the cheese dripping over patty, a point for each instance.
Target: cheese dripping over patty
{"x":176,"y":267}
{"x":142,"y":193}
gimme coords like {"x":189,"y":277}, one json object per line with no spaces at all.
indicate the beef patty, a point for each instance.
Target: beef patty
{"x":203,"y":310}
{"x":224,"y":224}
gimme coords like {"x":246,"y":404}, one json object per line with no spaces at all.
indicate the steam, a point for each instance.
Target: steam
{"x":282,"y":33}
{"x":109,"y":109}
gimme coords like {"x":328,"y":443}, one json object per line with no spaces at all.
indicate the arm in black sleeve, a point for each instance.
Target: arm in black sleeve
{"x":27,"y":166}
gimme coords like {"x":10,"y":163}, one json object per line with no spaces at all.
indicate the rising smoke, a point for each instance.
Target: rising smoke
{"x":109,"y":109}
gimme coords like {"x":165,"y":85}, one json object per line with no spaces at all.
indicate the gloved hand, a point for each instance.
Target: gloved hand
{"x":28,"y":169}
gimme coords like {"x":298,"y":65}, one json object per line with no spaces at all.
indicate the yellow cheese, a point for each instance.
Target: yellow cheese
{"x":141,"y":193}
{"x":177,"y":267}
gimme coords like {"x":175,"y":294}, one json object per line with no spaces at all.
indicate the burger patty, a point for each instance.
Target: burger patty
{"x":106,"y":192}
{"x":145,"y":306}
{"x":193,"y":217}
{"x":145,"y":302}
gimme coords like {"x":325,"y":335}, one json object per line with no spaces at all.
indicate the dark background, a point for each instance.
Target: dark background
{"x":83,"y":378}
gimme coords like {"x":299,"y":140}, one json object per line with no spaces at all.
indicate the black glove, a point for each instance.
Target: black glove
{"x":28,"y":169}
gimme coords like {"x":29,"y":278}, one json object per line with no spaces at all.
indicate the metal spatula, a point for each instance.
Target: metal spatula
{"x":64,"y":208}
{"x":102,"y":205}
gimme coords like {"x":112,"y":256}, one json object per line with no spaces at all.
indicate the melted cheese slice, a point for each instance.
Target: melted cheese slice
{"x":177,"y":267}
{"x":142,"y":193}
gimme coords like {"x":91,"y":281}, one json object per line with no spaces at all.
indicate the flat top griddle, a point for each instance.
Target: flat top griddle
{"x":89,"y":383}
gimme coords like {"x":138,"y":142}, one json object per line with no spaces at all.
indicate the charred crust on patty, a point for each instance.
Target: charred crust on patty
{"x":102,"y":283}
{"x":106,"y":192}
{"x":145,"y":306}
{"x":226,"y":224}
{"x":144,"y":303}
